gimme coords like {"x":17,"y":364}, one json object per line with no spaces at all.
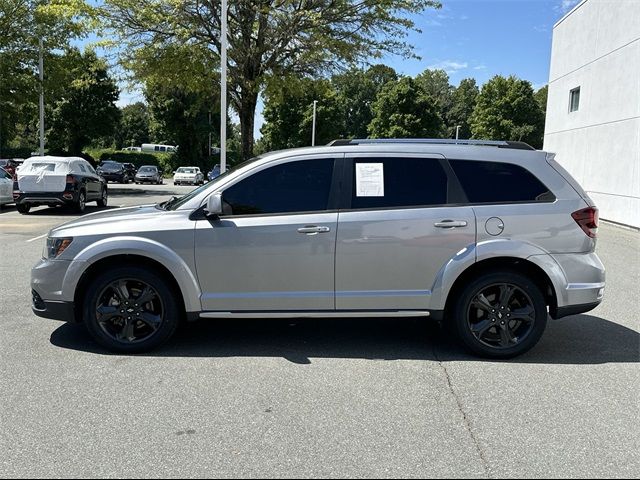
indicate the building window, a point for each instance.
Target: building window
{"x":574,"y":100}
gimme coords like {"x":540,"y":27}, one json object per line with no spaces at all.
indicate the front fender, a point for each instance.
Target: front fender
{"x":490,"y":249}
{"x":143,"y":247}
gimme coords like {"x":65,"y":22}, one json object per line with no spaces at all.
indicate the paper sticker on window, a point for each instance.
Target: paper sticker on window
{"x":369,"y":180}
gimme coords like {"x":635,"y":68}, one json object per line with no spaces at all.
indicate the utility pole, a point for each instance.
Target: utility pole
{"x":209,"y":134}
{"x":313,"y":129}
{"x":457,"y":131}
{"x":41,"y":73}
{"x":223,"y":88}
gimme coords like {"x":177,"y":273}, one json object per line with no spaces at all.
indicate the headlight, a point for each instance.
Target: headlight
{"x":55,"y":246}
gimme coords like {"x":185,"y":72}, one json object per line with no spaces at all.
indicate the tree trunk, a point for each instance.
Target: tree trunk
{"x":247,"y":120}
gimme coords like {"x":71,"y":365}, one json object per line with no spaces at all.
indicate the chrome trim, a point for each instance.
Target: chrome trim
{"x":326,"y":314}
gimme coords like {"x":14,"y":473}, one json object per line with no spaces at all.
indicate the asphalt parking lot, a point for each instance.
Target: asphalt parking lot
{"x":323,"y":398}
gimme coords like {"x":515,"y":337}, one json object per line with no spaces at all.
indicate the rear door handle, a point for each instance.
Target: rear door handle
{"x":313,"y":230}
{"x":450,"y":224}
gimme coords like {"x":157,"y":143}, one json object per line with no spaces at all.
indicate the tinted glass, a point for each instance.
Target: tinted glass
{"x":493,"y":182}
{"x":301,"y":186}
{"x":408,"y":182}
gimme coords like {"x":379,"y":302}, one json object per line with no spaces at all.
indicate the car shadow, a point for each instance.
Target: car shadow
{"x":577,"y":340}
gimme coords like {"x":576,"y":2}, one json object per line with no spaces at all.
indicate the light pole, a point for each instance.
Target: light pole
{"x":457,"y":131}
{"x":223,"y":87}
{"x":313,"y":128}
{"x":41,"y":74}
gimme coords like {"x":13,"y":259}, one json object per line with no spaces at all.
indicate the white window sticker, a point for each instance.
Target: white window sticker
{"x":369,"y":180}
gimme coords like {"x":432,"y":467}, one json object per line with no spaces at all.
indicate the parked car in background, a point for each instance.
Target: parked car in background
{"x":149,"y":174}
{"x":215,"y":172}
{"x":157,"y":148}
{"x":131,"y":170}
{"x":54,"y":181}
{"x":9,"y":165}
{"x":491,"y":238}
{"x":6,"y":187}
{"x":188,"y":176}
{"x":132,"y":149}
{"x":115,"y":172}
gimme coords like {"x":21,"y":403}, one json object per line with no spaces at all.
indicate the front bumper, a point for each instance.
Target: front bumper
{"x":191,"y":181}
{"x":146,"y":179}
{"x":113,"y":177}
{"x":54,"y":310}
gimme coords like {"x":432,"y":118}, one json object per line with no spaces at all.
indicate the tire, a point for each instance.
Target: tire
{"x":499,"y":329}
{"x":23,"y":208}
{"x":102,"y":202}
{"x":81,"y":204}
{"x":154,"y":322}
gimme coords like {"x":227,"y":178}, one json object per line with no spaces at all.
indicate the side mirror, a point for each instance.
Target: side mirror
{"x":214,"y":205}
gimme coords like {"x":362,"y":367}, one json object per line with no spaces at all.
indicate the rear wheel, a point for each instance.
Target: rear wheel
{"x":102,"y":202}
{"x":81,"y":204}
{"x":500,"y":315}
{"x":130,"y":309}
{"x":23,"y":208}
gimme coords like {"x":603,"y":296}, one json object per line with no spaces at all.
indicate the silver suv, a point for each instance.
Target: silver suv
{"x":488,"y":237}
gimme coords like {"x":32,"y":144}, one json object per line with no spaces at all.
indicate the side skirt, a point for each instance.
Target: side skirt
{"x":318,"y":314}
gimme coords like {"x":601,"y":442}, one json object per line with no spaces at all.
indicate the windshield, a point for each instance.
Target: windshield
{"x":111,"y":166}
{"x":177,"y":202}
{"x":186,"y":170}
{"x":147,"y":170}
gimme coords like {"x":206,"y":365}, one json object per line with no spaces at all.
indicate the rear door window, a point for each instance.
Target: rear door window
{"x":496,"y":182}
{"x":398,"y":182}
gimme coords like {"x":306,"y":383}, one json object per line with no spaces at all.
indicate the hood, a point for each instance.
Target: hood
{"x":100,"y":222}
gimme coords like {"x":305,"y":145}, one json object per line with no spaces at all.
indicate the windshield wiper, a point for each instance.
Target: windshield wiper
{"x":165,"y":205}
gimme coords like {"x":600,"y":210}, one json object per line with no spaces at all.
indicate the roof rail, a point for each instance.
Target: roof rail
{"x":432,"y":141}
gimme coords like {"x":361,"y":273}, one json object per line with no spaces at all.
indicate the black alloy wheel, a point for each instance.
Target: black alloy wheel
{"x":130,"y":309}
{"x":500,"y":315}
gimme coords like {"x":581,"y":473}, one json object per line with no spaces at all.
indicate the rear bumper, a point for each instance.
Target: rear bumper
{"x":45,"y":198}
{"x":573,"y":310}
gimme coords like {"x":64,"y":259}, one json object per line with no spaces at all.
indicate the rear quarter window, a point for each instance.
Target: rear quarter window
{"x":496,"y":182}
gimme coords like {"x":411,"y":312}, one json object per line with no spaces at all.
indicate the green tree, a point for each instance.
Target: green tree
{"x":404,"y":110}
{"x":541,"y":97}
{"x":436,"y":84}
{"x":463,"y":101}
{"x":22,"y":24}
{"x":134,"y":126}
{"x":507,"y":110}
{"x":357,"y":90}
{"x":180,"y":116}
{"x":266,"y":39}
{"x":87,"y":110}
{"x":288,"y":114}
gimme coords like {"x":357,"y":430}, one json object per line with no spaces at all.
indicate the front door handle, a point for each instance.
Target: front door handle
{"x":313,"y":230}
{"x":450,"y":224}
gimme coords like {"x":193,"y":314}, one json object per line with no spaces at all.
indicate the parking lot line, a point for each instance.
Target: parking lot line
{"x":36,"y":238}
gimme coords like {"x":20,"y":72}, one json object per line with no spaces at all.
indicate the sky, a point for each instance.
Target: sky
{"x":473,"y":38}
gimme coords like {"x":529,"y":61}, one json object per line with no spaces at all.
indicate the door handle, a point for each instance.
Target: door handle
{"x":450,"y":224}
{"x":313,"y":230}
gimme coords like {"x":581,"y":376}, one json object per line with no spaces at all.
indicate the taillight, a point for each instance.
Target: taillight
{"x":587,"y":218}
{"x":71,"y":179}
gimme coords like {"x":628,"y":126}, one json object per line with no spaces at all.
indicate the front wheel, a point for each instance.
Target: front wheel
{"x":130,"y":309}
{"x":500,"y":315}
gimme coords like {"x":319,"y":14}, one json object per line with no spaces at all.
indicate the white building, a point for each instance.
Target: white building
{"x":593,"y":110}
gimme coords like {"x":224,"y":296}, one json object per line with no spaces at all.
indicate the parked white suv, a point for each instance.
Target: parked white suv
{"x":489,"y":237}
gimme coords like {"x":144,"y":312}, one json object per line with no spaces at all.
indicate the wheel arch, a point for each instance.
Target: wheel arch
{"x":94,"y":269}
{"x":118,"y":251}
{"x":505,"y":263}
